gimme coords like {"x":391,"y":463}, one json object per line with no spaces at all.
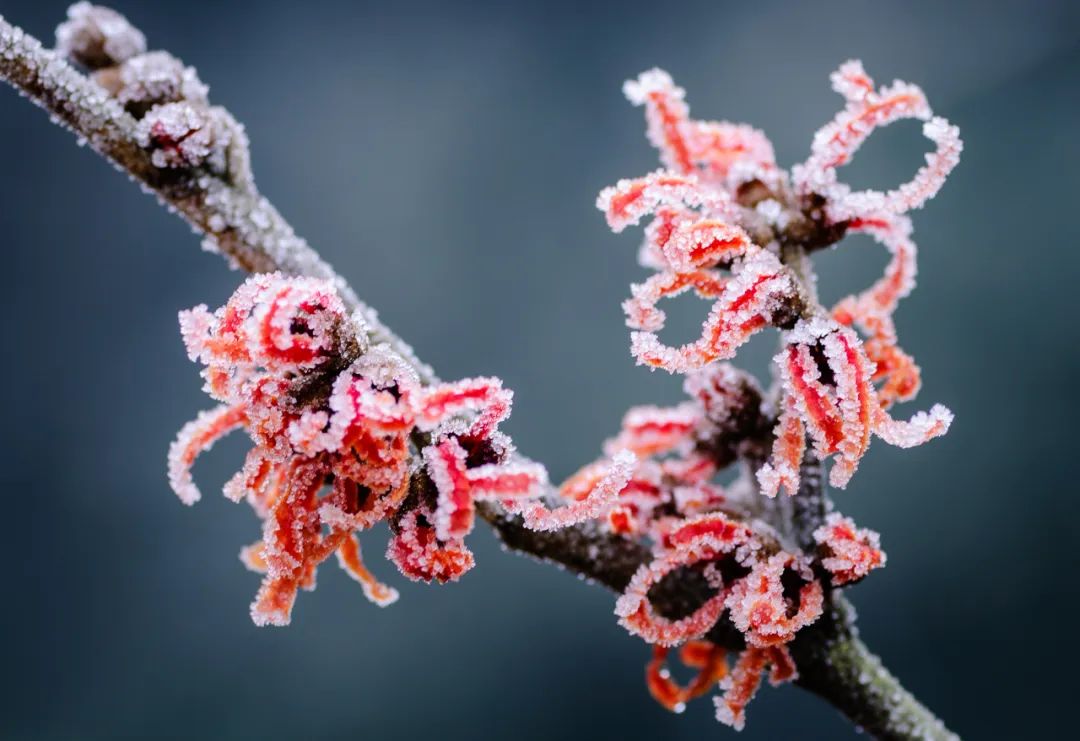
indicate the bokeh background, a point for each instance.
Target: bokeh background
{"x":446,"y":157}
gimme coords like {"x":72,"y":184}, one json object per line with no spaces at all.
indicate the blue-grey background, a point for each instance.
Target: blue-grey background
{"x":445,"y":157}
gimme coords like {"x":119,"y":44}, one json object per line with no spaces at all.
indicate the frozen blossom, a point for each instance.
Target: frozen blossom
{"x":340,"y":429}
{"x":753,"y":594}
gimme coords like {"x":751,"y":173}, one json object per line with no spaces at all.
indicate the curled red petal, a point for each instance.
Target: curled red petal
{"x":628,"y":200}
{"x":349,"y":559}
{"x":707,"y":657}
{"x":650,"y":430}
{"x":453,"y":517}
{"x":789,"y":445}
{"x":589,"y":494}
{"x":420,"y":556}
{"x":193,"y":439}
{"x":667,"y":116}
{"x":704,"y":539}
{"x":705,"y":243}
{"x":762,"y":608}
{"x":745,"y":306}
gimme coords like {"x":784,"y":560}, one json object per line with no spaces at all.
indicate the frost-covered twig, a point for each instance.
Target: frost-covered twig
{"x":150,"y":116}
{"x":222,"y":203}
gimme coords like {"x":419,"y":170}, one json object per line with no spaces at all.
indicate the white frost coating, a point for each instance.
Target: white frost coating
{"x":656,"y":189}
{"x":922,"y":427}
{"x":195,"y":437}
{"x":177,"y":135}
{"x":854,"y":398}
{"x":72,"y":100}
{"x":807,"y":332}
{"x":753,"y":292}
{"x":97,"y":36}
{"x":159,"y":77}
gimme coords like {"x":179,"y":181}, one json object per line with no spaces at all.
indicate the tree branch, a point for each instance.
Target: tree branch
{"x":251,"y":234}
{"x":227,"y":209}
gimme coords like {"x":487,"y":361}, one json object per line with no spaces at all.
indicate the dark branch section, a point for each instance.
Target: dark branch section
{"x":609,"y":560}
{"x":837,"y":666}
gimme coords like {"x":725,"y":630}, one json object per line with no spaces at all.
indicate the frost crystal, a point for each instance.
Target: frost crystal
{"x":96,"y":36}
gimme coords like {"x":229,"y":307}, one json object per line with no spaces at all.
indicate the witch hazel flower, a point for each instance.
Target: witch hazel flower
{"x":768,"y":593}
{"x":693,"y":237}
{"x":828,"y":391}
{"x":719,"y":189}
{"x":695,"y":232}
{"x":345,"y":436}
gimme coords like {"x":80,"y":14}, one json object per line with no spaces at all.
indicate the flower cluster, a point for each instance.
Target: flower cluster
{"x":722,"y":215}
{"x":835,"y":388}
{"x":767,"y":592}
{"x":341,"y":431}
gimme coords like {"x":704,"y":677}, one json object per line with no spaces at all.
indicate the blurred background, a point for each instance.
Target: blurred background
{"x":446,"y":158}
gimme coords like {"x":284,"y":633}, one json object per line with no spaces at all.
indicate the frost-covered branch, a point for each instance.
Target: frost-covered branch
{"x":216,"y":195}
{"x":333,"y":398}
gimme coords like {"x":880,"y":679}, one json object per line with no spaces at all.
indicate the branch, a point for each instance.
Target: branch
{"x":837,"y":666}
{"x":251,"y":234}
{"x":226,"y":208}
